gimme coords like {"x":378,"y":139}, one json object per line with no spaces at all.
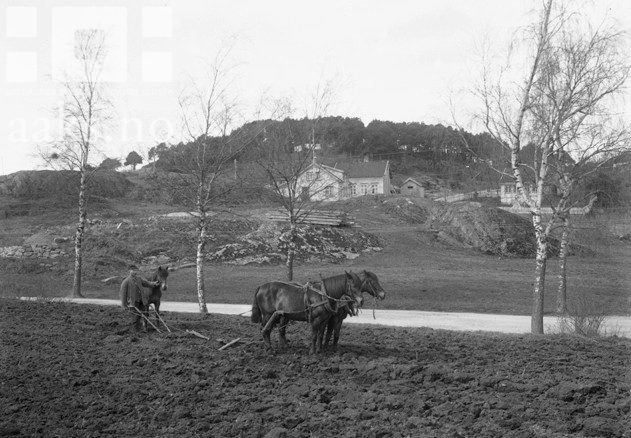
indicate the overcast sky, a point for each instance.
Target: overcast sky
{"x":396,"y":60}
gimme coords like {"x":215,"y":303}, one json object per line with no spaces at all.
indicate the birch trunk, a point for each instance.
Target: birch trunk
{"x":201,"y":242}
{"x":78,"y":240}
{"x":562,"y":291}
{"x":536,"y":322}
{"x":291,"y":251}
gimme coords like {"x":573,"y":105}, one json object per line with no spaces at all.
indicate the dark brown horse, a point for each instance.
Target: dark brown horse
{"x":369,"y":284}
{"x":278,"y":301}
{"x":137,"y":292}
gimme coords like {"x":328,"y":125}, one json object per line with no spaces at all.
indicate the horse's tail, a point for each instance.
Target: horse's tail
{"x":256,"y":311}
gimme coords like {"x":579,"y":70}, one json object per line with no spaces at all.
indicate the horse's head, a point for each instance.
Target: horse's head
{"x":161,"y":276}
{"x":370,"y":284}
{"x":353,"y":288}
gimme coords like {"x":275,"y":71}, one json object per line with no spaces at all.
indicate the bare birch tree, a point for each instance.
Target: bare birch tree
{"x":581,"y":73}
{"x":203,"y":163}
{"x":547,"y":106}
{"x":282,"y":167}
{"x":599,"y":142}
{"x":86,"y":110}
{"x":287,"y":152}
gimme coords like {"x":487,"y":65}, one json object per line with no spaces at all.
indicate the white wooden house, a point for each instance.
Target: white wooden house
{"x":368,"y":177}
{"x":509,"y":195}
{"x":320,"y":182}
{"x":323,"y":183}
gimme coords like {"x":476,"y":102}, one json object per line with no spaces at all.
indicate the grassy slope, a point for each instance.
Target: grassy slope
{"x":416,"y":272}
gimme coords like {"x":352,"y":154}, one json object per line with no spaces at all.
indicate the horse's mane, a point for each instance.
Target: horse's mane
{"x":371,"y":275}
{"x":335,"y":285}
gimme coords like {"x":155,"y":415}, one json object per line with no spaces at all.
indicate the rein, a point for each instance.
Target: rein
{"x":310,"y":306}
{"x":308,"y":286}
{"x":373,"y":293}
{"x":327,"y":299}
{"x":372,"y":288}
{"x":344,"y":299}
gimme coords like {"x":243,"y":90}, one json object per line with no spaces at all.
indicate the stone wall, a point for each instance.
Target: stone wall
{"x":32,"y":251}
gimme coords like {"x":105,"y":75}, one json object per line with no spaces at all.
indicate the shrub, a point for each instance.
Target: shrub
{"x":584,"y":317}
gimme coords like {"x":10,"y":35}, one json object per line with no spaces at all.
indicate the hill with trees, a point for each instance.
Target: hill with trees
{"x":412,"y":148}
{"x":452,"y":158}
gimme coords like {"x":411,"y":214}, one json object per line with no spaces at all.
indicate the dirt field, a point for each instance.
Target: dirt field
{"x":82,"y":371}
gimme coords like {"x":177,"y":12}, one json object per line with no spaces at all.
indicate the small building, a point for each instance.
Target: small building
{"x":510,"y":196}
{"x":411,"y":187}
{"x":367,"y":177}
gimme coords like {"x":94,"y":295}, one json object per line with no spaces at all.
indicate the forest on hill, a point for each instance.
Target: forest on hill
{"x":457,"y":159}
{"x":441,"y":156}
{"x":411,"y":147}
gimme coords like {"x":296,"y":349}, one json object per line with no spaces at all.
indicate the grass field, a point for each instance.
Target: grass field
{"x":417,"y":272}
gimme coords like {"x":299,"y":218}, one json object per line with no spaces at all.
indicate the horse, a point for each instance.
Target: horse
{"x":369,"y":284}
{"x":282,"y":301}
{"x":136,"y":292}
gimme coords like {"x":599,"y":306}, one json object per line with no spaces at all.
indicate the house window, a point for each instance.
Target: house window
{"x":410,"y":187}
{"x":373,"y":188}
{"x":310,"y":176}
{"x":364,"y":189}
{"x":353,"y":189}
{"x":304,"y":194}
{"x":328,"y":191}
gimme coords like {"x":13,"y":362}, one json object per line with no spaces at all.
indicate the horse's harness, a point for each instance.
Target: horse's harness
{"x":156,"y":280}
{"x":372,"y":290}
{"x":326,"y":302}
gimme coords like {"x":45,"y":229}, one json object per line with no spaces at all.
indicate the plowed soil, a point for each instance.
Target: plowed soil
{"x":83,"y":371}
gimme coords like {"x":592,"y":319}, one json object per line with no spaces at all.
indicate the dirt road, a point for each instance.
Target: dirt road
{"x":618,"y":325}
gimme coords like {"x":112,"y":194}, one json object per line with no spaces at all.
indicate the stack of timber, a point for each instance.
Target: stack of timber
{"x":315,"y":217}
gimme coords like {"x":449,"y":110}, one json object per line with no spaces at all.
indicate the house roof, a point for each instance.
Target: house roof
{"x":363,"y":169}
{"x":335,"y":173}
{"x":412,"y":180}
